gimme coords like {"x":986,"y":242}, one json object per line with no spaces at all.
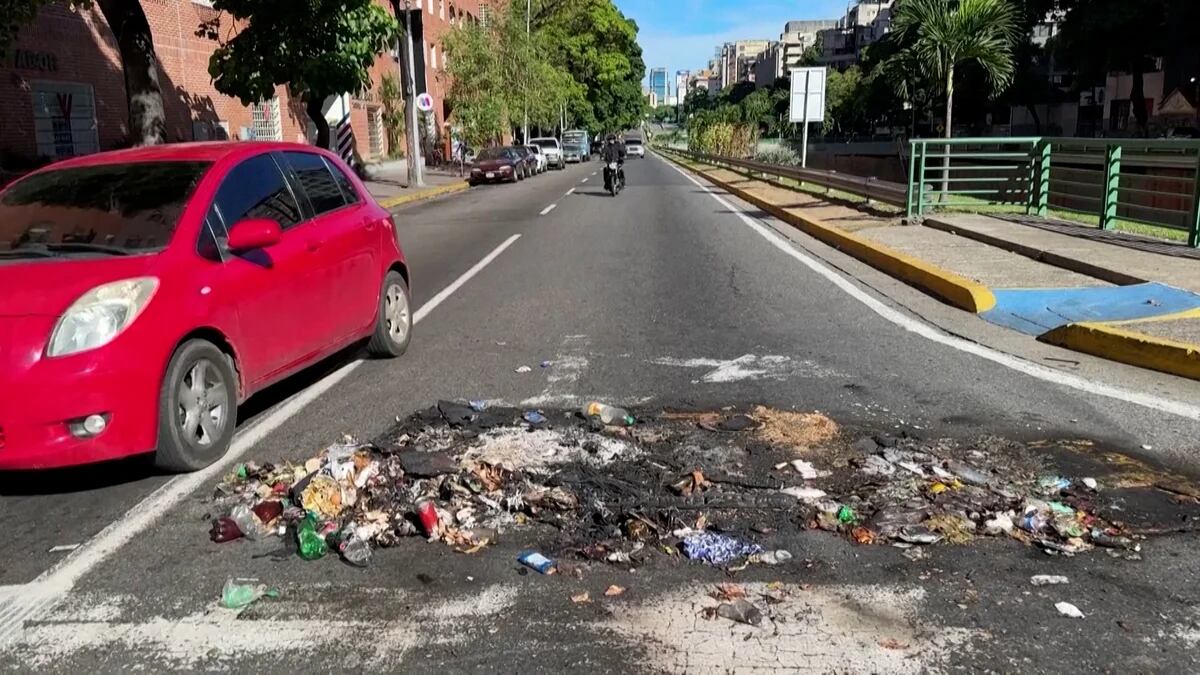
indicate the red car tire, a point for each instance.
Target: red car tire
{"x":197,"y":410}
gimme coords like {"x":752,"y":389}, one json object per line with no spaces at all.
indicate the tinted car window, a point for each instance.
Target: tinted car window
{"x":134,"y":207}
{"x":343,"y":181}
{"x":547,"y":144}
{"x":316,"y":181}
{"x":256,"y":189}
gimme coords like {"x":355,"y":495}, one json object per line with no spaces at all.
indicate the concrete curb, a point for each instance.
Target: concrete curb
{"x":1053,"y":259}
{"x":1125,"y":346}
{"x":422,"y":195}
{"x":943,"y":284}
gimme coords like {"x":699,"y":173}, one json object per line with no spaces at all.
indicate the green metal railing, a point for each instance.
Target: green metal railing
{"x":1114,"y":181}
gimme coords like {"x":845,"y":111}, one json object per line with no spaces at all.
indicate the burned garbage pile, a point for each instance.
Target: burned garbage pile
{"x":601,"y":485}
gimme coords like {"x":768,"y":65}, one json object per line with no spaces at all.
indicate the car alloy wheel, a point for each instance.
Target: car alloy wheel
{"x":396,"y":313}
{"x":394,"y":323}
{"x":203,"y":409}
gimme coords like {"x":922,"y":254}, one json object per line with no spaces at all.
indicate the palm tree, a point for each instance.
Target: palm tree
{"x":939,"y":35}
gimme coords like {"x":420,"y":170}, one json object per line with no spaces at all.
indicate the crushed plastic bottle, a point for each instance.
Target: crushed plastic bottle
{"x":312,"y":544}
{"x":356,"y":551}
{"x":610,"y":415}
{"x":774,"y":557}
{"x":249,"y":524}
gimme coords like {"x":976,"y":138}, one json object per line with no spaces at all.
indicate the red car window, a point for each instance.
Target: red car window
{"x":316,"y":181}
{"x":256,"y":189}
{"x":131,"y":207}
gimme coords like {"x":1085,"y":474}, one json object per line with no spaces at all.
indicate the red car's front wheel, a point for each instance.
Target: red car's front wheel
{"x":197,"y":408}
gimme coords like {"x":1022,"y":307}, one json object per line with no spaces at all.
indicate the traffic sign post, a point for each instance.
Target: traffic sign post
{"x":807,"y":103}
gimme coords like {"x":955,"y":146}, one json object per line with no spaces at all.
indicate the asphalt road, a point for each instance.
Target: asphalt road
{"x":663,"y":296}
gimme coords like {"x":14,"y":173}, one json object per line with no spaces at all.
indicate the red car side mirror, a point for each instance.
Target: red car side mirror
{"x":254,"y":233}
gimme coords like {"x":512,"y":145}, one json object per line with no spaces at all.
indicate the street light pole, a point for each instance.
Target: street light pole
{"x":416,"y":177}
{"x":525,"y":84}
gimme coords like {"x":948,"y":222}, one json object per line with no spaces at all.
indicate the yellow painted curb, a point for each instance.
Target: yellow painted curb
{"x":950,"y":287}
{"x":422,"y":195}
{"x":1136,"y":349}
{"x":1185,"y":314}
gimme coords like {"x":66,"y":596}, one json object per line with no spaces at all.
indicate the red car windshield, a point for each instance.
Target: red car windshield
{"x":113,"y":208}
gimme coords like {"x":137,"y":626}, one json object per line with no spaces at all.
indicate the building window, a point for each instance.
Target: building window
{"x":442,"y":9}
{"x":64,"y":119}
{"x":266,"y":124}
{"x":375,"y":132}
{"x":433,"y":56}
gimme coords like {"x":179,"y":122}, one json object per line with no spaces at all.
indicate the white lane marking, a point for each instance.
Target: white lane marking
{"x":51,"y":586}
{"x":929,"y":332}
{"x":583,"y":181}
{"x":570,"y":192}
{"x":548,"y":209}
{"x":563,"y":373}
{"x":752,"y":367}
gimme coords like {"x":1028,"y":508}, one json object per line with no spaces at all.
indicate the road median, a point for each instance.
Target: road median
{"x":945,"y":285}
{"x":1117,"y":342}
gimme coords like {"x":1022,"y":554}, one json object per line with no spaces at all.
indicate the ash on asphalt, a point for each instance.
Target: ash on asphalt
{"x":722,"y":487}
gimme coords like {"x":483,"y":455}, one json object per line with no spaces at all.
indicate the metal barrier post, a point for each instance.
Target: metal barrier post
{"x":1112,"y":184}
{"x":1041,"y":197}
{"x":921,"y":180}
{"x":1194,"y":218}
{"x":912,"y":169}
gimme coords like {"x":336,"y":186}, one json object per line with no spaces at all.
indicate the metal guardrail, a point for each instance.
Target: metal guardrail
{"x":872,"y":189}
{"x":1152,"y":182}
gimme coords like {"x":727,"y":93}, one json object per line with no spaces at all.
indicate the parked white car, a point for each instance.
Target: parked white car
{"x":634,"y":148}
{"x":552,"y":150}
{"x":542,"y":163}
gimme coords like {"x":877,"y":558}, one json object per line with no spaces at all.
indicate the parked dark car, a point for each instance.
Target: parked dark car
{"x":495,"y":165}
{"x":530,"y":159}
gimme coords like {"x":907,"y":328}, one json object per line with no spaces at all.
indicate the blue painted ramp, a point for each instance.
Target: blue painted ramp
{"x":1037,"y":310}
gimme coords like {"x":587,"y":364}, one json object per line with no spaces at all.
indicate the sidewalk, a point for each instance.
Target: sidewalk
{"x":389,"y":184}
{"x":1136,"y":302}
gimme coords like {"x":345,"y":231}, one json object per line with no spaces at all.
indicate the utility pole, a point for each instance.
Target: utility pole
{"x":416,"y":177}
{"x":525,"y":85}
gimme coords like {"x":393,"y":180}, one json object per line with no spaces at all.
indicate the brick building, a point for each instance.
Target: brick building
{"x":63,"y":88}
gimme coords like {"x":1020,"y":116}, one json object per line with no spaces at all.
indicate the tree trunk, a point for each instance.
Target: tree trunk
{"x":147,"y":118}
{"x":947,"y":133}
{"x":1137,"y":98}
{"x":315,"y":109}
{"x":1037,"y":119}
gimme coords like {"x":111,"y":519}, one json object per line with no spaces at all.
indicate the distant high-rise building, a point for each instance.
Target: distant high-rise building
{"x":865,"y":22}
{"x":683,"y":83}
{"x":738,"y":58}
{"x":658,"y":84}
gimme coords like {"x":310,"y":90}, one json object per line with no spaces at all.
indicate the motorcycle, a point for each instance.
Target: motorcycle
{"x":614,"y":178}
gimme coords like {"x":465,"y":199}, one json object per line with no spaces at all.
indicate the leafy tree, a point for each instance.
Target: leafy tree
{"x":1100,"y":36}
{"x":147,"y":117}
{"x":319,"y":48}
{"x":942,"y":35}
{"x":812,"y":56}
{"x":391,"y":97}
{"x":597,"y":45}
{"x":844,"y":97}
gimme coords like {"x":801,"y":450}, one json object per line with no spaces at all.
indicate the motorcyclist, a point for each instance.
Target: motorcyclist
{"x":614,"y":151}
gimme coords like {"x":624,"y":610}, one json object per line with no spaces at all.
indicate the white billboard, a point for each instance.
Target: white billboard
{"x":808,"y":95}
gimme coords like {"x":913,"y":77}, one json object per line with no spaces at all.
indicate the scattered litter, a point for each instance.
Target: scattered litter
{"x":1091,"y":484}
{"x":64,"y":548}
{"x":479,"y":405}
{"x":533,"y":417}
{"x":523,"y":369}
{"x":741,"y":611}
{"x":893,"y":643}
{"x":774,"y":557}
{"x":241,"y":593}
{"x":613,"y":591}
{"x":793,"y":430}
{"x":806,"y":470}
{"x":537,"y":562}
{"x":1048,"y":580}
{"x":728,"y":592}
{"x":717,"y":549}
{"x":607,"y":414}
{"x":734,"y":423}
{"x":545,"y":364}
{"x":1067,"y":609}
{"x":804,"y":494}
{"x":580,"y":598}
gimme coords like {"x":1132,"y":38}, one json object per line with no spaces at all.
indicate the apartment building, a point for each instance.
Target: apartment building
{"x":63,"y":86}
{"x":738,"y":59}
{"x":864,"y":23}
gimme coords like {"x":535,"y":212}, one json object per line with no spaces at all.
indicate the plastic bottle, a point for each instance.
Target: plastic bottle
{"x":247,"y":522}
{"x":312,"y":545}
{"x":608,"y":414}
{"x":356,"y":551}
{"x":775,"y":557}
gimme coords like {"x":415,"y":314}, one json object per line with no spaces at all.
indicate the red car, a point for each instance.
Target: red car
{"x":145,"y":293}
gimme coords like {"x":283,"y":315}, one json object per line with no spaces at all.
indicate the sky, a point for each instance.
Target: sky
{"x":682,"y":34}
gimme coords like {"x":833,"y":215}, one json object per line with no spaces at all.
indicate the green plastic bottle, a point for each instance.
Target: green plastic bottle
{"x":312,"y":545}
